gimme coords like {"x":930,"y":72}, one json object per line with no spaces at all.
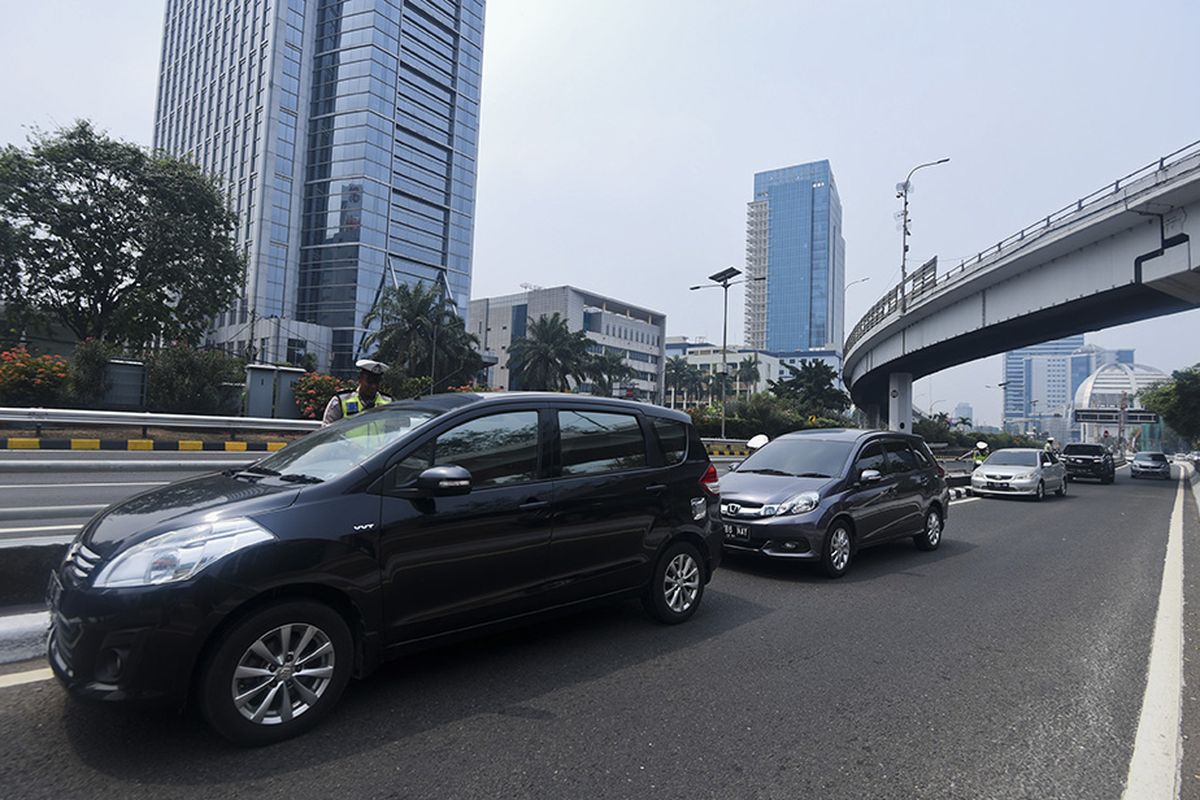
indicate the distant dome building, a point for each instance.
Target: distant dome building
{"x":1104,"y":389}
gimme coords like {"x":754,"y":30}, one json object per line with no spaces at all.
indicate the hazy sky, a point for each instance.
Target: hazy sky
{"x":620,"y":137}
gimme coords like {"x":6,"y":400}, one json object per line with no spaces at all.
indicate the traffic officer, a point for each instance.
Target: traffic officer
{"x":367,"y":395}
{"x":980,"y":454}
{"x":1049,"y":448}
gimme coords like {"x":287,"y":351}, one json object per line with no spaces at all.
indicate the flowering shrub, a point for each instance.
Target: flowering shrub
{"x":312,"y":391}
{"x":29,"y":380}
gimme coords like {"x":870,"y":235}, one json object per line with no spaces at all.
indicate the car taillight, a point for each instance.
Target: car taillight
{"x":710,"y":483}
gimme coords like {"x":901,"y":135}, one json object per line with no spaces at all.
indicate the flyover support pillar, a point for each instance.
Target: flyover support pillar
{"x":900,"y":415}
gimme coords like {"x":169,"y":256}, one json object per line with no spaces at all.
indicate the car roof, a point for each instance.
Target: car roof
{"x":453,"y":400}
{"x":1018,"y":450}
{"x":845,"y":434}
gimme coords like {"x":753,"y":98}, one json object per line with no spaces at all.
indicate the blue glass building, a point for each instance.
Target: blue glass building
{"x":345,"y":133}
{"x":794,"y":241}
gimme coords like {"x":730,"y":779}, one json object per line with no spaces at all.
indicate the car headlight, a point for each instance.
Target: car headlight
{"x":805,"y":501}
{"x":178,"y":555}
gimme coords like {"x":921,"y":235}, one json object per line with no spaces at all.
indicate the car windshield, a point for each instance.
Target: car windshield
{"x":334,"y":450}
{"x":1013,"y":458}
{"x":1150,"y":457}
{"x":1083,"y":450}
{"x":815,"y":458}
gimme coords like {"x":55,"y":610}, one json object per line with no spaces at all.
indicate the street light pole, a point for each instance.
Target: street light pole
{"x":723,"y":280}
{"x":902,"y":191}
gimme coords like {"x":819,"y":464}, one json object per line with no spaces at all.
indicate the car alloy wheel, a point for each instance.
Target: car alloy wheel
{"x":283,"y":674}
{"x":931,"y":536}
{"x":838,"y":551}
{"x":1041,"y":492}
{"x":1062,"y":490}
{"x":276,"y":672}
{"x":677,"y":586}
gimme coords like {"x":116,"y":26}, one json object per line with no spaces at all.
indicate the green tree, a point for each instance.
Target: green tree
{"x":113,"y":242}
{"x":676,"y":376}
{"x":811,"y":386}
{"x":418,"y":330}
{"x":549,"y":356}
{"x":747,"y":374}
{"x":607,"y":371}
{"x":188,"y":380}
{"x":1177,"y":401}
{"x":963,"y":422}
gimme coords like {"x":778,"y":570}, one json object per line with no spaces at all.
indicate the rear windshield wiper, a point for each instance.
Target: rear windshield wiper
{"x":298,"y":477}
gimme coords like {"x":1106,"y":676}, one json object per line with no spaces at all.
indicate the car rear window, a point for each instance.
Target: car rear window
{"x":595,"y":442}
{"x":673,"y":439}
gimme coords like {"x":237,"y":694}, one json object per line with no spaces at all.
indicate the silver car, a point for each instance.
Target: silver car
{"x":1021,"y":471}
{"x":1150,"y":464}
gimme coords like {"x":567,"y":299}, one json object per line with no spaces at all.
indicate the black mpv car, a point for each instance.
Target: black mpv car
{"x":260,"y":592}
{"x":823,"y":495}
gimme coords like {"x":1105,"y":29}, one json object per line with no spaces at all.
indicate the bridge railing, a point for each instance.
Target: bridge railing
{"x":920,"y":284}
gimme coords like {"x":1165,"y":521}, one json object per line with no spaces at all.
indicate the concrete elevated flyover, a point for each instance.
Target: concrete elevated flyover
{"x":1127,"y":252}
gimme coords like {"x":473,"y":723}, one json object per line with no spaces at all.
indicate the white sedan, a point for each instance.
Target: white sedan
{"x":1020,"y":471}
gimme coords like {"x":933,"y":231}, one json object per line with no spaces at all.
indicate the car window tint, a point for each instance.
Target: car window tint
{"x":498,"y":449}
{"x":413,"y":464}
{"x":899,"y":457}
{"x":870,"y":458}
{"x":673,"y":438}
{"x":594,"y":442}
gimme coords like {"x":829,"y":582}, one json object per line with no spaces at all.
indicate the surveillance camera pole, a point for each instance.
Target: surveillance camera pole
{"x":903,"y":192}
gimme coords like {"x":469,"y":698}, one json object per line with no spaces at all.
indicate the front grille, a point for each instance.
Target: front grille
{"x":80,"y":561}
{"x":735,"y":509}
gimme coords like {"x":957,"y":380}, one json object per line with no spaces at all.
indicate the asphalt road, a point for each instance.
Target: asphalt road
{"x":1010,"y":663}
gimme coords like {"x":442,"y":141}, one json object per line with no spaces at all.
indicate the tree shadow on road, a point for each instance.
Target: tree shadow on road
{"x":503,"y":674}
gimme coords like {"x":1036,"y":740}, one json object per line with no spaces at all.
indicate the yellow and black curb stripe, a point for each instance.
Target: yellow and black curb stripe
{"x":727,"y":450}
{"x":126,"y":445}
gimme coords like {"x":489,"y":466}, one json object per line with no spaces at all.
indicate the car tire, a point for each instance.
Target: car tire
{"x":838,"y":550}
{"x":1040,"y":494}
{"x":931,"y":537}
{"x":1062,"y":490}
{"x":677,"y":587}
{"x":292,"y":636}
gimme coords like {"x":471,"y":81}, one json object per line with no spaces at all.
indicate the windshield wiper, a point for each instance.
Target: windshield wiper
{"x":298,"y":477}
{"x":257,"y":470}
{"x":769,"y":471}
{"x":811,"y":475}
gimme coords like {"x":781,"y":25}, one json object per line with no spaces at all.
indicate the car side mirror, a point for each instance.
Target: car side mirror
{"x":446,"y":481}
{"x":870,"y":476}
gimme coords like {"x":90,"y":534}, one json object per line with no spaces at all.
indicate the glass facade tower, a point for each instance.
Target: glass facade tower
{"x":345,"y":133}
{"x":1036,"y":380}
{"x":794,"y":241}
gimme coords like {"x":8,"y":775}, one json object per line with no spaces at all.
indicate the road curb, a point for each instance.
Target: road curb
{"x":23,"y":636}
{"x":126,"y":445}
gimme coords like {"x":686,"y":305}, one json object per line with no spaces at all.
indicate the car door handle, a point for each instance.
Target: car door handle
{"x":656,"y":488}
{"x":533,"y":505}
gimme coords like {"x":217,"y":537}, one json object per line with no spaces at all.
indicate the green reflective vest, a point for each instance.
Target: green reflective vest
{"x":352,"y":404}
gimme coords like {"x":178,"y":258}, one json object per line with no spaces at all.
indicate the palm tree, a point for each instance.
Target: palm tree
{"x":694,"y":384}
{"x":963,"y":422}
{"x":418,"y":328}
{"x":549,"y":356}
{"x":747,"y":373}
{"x":607,"y":370}
{"x":676,"y":371}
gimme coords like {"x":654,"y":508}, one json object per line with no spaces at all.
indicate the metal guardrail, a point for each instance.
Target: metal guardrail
{"x":1082,"y":207}
{"x":38,"y":417}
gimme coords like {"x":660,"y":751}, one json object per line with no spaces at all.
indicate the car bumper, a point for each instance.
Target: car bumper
{"x":798,"y":541}
{"x":124,"y":645}
{"x":1010,"y":491}
{"x":1088,"y":471}
{"x":1156,"y":473}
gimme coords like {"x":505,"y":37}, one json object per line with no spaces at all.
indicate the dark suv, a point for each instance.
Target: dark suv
{"x":262,"y":591}
{"x":1089,"y":461}
{"x":822,"y":495}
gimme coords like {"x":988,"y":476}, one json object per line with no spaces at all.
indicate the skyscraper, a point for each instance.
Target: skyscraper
{"x":1037,"y":380}
{"x":345,"y":133}
{"x":794,"y":241}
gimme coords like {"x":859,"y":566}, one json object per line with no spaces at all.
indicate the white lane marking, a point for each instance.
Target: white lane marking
{"x":964,"y":500}
{"x":40,"y":528}
{"x":19,"y":678}
{"x":1157,"y":751}
{"x":80,"y":485}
